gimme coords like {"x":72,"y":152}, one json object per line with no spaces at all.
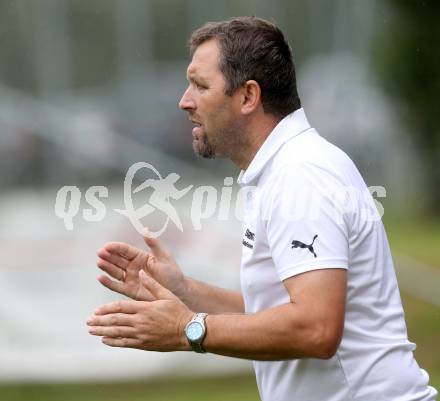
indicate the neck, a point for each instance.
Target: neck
{"x":254,"y":135}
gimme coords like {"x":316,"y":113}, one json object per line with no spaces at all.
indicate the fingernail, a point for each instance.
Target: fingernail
{"x":146,"y":232}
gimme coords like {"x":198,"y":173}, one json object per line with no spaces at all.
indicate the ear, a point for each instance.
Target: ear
{"x":251,"y":96}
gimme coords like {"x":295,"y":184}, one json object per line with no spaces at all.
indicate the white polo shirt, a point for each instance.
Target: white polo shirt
{"x":308,"y":208}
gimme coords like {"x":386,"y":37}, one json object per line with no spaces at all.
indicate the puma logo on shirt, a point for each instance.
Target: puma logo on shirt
{"x":299,"y":244}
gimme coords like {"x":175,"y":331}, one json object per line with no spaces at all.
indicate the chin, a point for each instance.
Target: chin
{"x":205,"y":154}
{"x":203,"y":149}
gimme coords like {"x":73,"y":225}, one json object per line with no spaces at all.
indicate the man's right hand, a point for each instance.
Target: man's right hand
{"x":122,"y":262}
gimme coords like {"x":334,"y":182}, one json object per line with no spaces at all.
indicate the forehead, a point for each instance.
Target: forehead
{"x":205,"y":59}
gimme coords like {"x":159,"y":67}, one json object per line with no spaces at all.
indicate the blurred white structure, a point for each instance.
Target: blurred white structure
{"x":49,"y":288}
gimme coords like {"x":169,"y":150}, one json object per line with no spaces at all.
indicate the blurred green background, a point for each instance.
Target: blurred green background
{"x":87,"y":88}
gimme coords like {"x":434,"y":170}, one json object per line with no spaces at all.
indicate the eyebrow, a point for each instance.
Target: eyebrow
{"x":196,"y":79}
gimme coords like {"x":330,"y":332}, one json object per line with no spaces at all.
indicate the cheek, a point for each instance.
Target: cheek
{"x":212,"y":102}
{"x":219,"y":111}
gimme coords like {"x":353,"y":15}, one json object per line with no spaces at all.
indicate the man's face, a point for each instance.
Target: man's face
{"x":214,"y":113}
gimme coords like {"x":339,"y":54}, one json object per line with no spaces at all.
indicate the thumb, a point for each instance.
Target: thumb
{"x":154,"y":287}
{"x":156,"y":247}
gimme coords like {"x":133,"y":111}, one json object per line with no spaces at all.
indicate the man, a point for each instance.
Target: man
{"x":319,"y":312}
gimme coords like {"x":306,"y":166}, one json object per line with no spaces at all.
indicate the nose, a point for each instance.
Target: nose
{"x":187,"y":102}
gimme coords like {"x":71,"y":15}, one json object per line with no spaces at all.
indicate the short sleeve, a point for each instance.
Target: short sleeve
{"x":305,"y":226}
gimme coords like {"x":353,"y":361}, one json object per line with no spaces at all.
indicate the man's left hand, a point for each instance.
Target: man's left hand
{"x":154,"y":326}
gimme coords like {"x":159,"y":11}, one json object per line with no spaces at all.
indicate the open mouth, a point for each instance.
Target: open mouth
{"x":196,"y":123}
{"x":196,"y":132}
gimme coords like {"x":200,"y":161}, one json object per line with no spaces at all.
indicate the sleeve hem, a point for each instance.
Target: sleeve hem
{"x":293,"y":270}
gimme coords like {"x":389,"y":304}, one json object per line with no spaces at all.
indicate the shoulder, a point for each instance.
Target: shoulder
{"x":310,"y":157}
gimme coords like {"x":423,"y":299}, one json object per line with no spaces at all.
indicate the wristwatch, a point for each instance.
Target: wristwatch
{"x":195,"y":332}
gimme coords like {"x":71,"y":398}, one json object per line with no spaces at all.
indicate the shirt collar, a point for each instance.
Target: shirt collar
{"x":289,"y":127}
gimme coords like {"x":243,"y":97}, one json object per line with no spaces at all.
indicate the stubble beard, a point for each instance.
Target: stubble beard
{"x":227,"y":140}
{"x":206,"y":151}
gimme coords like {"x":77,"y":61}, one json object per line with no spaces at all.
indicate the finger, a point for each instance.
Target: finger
{"x":121,"y":288}
{"x":113,"y":258}
{"x":119,"y":307}
{"x":122,"y":249}
{"x":113,"y":331}
{"x":112,"y":319}
{"x":154,"y":287}
{"x":156,"y":247}
{"x":122,"y":342}
{"x":113,"y":285}
{"x":112,"y":270}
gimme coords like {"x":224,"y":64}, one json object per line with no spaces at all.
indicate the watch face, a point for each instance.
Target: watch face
{"x":194,"y":331}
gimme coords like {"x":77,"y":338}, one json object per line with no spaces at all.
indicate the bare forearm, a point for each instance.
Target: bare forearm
{"x":202,"y":297}
{"x":275,"y":334}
